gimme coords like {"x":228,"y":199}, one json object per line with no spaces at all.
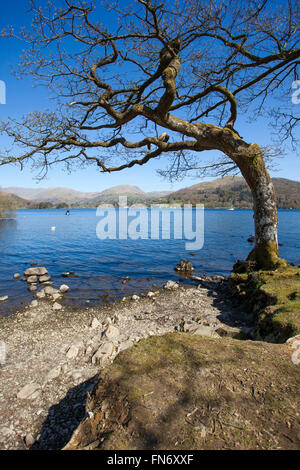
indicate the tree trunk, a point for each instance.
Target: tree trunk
{"x":265,"y":252}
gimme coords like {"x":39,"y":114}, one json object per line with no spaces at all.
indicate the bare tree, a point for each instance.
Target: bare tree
{"x":153,"y":78}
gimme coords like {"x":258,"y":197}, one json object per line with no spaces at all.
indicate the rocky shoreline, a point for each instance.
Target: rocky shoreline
{"x":53,"y":356}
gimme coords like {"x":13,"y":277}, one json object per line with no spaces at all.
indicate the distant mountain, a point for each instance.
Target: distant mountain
{"x":233,"y":191}
{"x":54,"y":195}
{"x":122,"y":189}
{"x":73,"y":198}
{"x":221,"y":192}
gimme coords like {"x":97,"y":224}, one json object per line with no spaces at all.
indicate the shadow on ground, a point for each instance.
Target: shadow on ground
{"x":64,"y":417}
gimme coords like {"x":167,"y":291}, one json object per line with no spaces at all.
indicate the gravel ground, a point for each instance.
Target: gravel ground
{"x":53,"y":356}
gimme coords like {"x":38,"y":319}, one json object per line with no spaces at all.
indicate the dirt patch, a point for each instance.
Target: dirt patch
{"x":186,"y":392}
{"x":58,"y":354}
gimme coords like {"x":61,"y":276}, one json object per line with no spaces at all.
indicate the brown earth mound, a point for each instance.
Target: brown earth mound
{"x":192,"y":392}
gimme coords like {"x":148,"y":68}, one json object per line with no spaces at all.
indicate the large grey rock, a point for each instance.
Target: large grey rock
{"x":112,"y":332}
{"x":38,"y":271}
{"x":104,"y":352}
{"x":29,"y":392}
{"x":231,"y":331}
{"x":205,"y":331}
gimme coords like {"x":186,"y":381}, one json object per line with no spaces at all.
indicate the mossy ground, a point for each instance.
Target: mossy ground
{"x":275,"y":298}
{"x":191,"y":392}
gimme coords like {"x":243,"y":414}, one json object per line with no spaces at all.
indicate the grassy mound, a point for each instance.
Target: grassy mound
{"x":181,"y":391}
{"x":274,"y":296}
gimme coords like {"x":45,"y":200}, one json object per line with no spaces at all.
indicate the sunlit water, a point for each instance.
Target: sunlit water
{"x":101,"y":265}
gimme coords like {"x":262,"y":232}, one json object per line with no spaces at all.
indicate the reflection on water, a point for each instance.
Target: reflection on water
{"x":7,"y":230}
{"x":101,"y":265}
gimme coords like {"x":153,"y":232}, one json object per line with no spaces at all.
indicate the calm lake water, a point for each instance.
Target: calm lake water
{"x":101,"y":265}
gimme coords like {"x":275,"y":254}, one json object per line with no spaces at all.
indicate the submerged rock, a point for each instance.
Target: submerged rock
{"x":64,"y":288}
{"x":184,"y":266}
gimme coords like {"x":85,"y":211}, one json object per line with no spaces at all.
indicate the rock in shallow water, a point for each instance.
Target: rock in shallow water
{"x":64,"y":288}
{"x":39,"y":271}
{"x":184,"y":266}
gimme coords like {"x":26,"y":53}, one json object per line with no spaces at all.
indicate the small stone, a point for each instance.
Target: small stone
{"x":150,"y":294}
{"x":29,"y":391}
{"x":56,"y":306}
{"x":66,"y":274}
{"x":171,"y":285}
{"x":135,"y":297}
{"x":73,"y":352}
{"x":95,"y":324}
{"x":40,"y":295}
{"x":53,"y":373}
{"x":17,"y":276}
{"x":34,"y":303}
{"x":5,"y":431}
{"x":29,"y":440}
{"x":4,"y":298}
{"x":64,"y":288}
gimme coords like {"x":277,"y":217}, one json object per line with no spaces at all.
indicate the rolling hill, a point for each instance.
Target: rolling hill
{"x":233,"y":191}
{"x":221,"y":192}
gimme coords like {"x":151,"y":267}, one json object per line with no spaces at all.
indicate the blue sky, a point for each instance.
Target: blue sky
{"x":22,"y":98}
